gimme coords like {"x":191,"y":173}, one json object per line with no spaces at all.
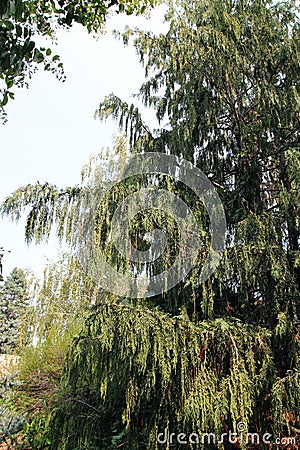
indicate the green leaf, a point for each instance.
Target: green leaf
{"x":38,"y":57}
{"x":9,"y":83}
{"x":19,"y":30}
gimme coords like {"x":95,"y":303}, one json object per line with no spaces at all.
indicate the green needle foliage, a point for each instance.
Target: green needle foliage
{"x":10,"y":421}
{"x":203,"y":356}
{"x":14,"y":303}
{"x":146,"y":371}
{"x":225,"y":79}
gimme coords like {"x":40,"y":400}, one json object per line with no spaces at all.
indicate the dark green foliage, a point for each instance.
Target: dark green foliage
{"x":14,"y":301}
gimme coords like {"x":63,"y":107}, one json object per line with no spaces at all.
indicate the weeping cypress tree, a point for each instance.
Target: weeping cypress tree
{"x":202,"y":357}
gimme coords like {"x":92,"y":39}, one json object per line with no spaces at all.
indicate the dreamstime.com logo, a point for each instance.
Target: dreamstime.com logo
{"x":138,"y":285}
{"x":240,"y":437}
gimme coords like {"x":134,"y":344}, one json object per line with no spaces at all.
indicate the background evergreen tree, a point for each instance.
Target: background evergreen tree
{"x":14,"y":301}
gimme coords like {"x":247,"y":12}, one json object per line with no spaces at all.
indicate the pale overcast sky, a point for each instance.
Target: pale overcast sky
{"x":51,"y":130}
